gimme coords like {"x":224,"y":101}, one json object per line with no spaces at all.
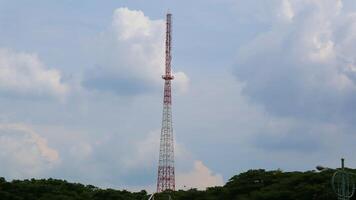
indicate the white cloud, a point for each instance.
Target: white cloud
{"x":145,"y":152}
{"x":183,"y":82}
{"x":130,"y":55}
{"x":132,"y":24}
{"x":25,"y":74}
{"x":200,"y":177}
{"x":287,"y":10}
{"x":303,"y":64}
{"x":24,"y":153}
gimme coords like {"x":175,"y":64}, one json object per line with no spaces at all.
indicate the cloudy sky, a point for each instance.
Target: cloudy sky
{"x":259,"y":84}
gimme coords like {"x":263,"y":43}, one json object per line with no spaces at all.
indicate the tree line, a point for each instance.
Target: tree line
{"x":251,"y":185}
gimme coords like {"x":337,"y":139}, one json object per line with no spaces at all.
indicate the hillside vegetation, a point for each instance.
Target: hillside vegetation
{"x":251,"y":185}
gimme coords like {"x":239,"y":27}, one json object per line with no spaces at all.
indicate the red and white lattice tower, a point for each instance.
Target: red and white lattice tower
{"x":166,"y":176}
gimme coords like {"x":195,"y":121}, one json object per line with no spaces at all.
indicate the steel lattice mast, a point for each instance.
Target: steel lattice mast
{"x":166,"y":176}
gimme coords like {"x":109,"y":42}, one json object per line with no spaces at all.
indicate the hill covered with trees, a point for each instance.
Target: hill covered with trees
{"x":251,"y":185}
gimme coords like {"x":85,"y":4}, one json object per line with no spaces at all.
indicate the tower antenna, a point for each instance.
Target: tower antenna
{"x":166,"y":175}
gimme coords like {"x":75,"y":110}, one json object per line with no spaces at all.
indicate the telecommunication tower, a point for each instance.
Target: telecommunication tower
{"x":166,"y":175}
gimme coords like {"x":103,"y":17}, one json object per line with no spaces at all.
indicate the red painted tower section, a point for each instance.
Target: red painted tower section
{"x":166,"y":175}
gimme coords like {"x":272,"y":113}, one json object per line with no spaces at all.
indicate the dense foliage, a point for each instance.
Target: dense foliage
{"x":51,"y":189}
{"x":251,"y":185}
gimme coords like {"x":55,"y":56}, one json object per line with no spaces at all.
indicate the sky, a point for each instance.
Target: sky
{"x":258,"y":84}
